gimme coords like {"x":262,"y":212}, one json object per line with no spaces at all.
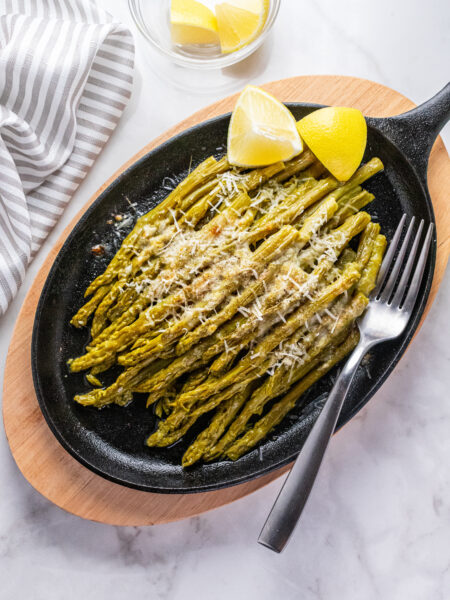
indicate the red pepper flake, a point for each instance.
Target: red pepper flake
{"x":98,"y":250}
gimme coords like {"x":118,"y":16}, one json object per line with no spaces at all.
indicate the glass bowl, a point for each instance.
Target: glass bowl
{"x":153,"y":20}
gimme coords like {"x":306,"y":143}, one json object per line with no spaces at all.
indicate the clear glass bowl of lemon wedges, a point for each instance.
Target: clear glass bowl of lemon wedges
{"x":205,"y":34}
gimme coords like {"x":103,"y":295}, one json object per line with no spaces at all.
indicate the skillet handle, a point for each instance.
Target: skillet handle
{"x":415,"y":131}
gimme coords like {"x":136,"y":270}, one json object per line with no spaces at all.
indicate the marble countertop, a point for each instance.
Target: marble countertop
{"x":378,"y":522}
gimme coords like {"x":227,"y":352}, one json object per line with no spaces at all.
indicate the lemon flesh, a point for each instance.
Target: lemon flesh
{"x":192,"y":23}
{"x":337,"y":135}
{"x":262,"y":131}
{"x":240,"y":22}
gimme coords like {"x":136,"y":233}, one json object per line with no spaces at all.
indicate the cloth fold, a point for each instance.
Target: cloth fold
{"x":66,"y":74}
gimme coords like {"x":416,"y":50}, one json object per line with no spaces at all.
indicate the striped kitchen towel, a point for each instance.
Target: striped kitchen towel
{"x":66,"y":73}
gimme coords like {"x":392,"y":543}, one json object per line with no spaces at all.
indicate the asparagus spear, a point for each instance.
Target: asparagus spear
{"x":81,"y":318}
{"x":366,"y":243}
{"x":297,"y":164}
{"x":369,"y":275}
{"x":350,"y":204}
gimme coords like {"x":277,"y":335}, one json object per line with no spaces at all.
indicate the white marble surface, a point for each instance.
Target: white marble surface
{"x":378,"y":522}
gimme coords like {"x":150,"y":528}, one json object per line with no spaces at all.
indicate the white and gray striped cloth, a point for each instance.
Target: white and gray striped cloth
{"x":66,"y":73}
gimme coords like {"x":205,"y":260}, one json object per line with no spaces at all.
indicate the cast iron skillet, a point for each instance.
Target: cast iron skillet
{"x":111,"y":441}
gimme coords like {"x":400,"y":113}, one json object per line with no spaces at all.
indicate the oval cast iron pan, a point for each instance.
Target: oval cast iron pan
{"x":111,"y":441}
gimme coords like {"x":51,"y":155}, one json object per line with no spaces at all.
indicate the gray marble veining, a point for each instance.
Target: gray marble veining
{"x":378,"y":522}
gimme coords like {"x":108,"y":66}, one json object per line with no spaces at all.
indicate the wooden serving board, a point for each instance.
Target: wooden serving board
{"x":46,"y":465}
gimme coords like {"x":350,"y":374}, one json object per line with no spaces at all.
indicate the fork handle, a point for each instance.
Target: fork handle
{"x":293,"y":495}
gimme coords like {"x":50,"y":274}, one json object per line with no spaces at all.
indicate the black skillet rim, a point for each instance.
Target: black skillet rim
{"x":412,"y":327}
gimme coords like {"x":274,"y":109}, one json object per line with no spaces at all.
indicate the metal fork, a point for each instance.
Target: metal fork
{"x":387,"y":314}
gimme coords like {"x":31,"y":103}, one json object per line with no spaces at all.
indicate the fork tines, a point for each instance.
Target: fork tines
{"x":402,"y":294}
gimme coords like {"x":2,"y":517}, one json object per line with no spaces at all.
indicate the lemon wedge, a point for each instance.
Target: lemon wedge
{"x":240,"y":22}
{"x":262,"y":131}
{"x":192,"y":23}
{"x":337,"y":135}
